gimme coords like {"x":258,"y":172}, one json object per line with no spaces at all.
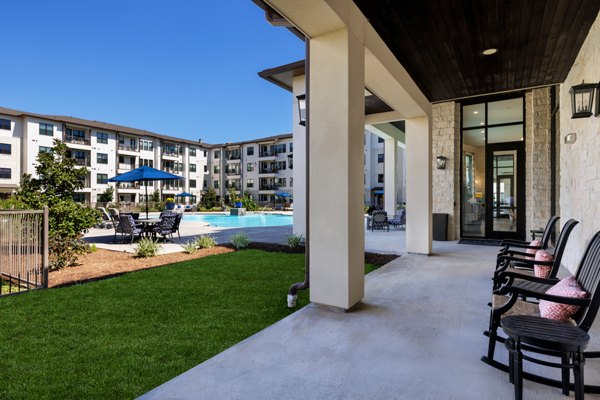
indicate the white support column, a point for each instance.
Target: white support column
{"x":336,"y":112}
{"x":389,"y":175}
{"x":418,"y":185}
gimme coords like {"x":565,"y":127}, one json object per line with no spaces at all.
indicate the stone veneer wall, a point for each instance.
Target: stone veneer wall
{"x":580,"y":161}
{"x":446,"y":142}
{"x":537,"y":159}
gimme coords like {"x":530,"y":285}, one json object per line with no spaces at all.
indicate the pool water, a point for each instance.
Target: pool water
{"x":245,"y":221}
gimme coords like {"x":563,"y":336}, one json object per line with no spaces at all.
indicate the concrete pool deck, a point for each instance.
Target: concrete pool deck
{"x":375,"y":242}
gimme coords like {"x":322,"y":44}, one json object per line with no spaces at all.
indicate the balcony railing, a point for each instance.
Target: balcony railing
{"x":83,"y":162}
{"x":77,"y":140}
{"x":129,"y":185}
{"x":233,"y":157}
{"x":267,"y":171}
{"x":268,"y":187}
{"x":236,"y":187}
{"x":232,"y":171}
{"x":172,"y":170}
{"x":128,"y":148}
{"x":267,"y":153}
{"x":170,"y":153}
{"x":172,"y":187}
{"x":127,"y":167}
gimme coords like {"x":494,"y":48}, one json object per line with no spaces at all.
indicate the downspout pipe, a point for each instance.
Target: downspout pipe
{"x":292,"y":296}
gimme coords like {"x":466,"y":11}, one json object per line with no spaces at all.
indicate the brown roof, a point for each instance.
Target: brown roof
{"x":100,"y":125}
{"x":283,"y":75}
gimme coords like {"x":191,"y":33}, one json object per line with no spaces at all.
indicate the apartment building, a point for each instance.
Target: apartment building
{"x":105,"y":150}
{"x":262,"y":167}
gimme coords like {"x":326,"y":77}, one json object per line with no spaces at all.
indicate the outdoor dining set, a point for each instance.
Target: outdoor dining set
{"x":379,"y":220}
{"x":130,"y":225}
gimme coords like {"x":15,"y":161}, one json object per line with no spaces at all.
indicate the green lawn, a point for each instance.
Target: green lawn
{"x":119,"y":338}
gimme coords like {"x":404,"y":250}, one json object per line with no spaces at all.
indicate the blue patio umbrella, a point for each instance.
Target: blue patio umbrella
{"x":283,"y":194}
{"x":184,"y":194}
{"x":144,"y":174}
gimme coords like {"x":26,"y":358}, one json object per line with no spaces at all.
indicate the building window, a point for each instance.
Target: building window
{"x":217,"y":153}
{"x":291,"y":182}
{"x":5,"y":148}
{"x":5,"y":173}
{"x":46,"y":129}
{"x":146,"y":145}
{"x":205,"y":169}
{"x":380,"y":178}
{"x":192,"y":167}
{"x":280,"y":148}
{"x":102,"y":179}
{"x":216,"y":169}
{"x":250,"y":150}
{"x":79,"y":197}
{"x":5,"y":124}
{"x":250,"y":183}
{"x":291,"y":147}
{"x":379,"y":140}
{"x":205,"y":184}
{"x":192,"y":152}
{"x":250,"y":167}
{"x":147,"y":163}
{"x":102,"y":137}
{"x":216,"y":184}
{"x":280,"y":182}
{"x":380,"y":157}
{"x":45,"y":149}
{"x":205,"y":154}
{"x":102,"y":158}
{"x":192,"y":183}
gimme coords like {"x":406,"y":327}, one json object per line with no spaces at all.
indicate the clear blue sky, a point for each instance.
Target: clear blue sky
{"x":182,"y":68}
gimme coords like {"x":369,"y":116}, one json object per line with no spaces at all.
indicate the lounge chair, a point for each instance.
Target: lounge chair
{"x":508,"y":300}
{"x":399,"y":220}
{"x":107,"y":221}
{"x":525,"y":266}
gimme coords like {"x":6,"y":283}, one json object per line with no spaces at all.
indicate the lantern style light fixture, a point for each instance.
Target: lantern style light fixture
{"x":441,"y":162}
{"x":582,"y":98}
{"x":302,"y":109}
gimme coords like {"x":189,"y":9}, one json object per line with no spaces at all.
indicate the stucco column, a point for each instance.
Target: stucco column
{"x":389,"y":175}
{"x":418,"y":185}
{"x":336,"y":219}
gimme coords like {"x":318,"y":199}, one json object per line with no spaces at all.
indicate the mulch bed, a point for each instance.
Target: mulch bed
{"x":103,"y":264}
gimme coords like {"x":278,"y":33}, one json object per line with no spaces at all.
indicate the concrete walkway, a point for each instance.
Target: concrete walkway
{"x":417,"y":335}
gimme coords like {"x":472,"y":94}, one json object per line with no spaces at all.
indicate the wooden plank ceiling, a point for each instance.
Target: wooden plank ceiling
{"x":440,"y":42}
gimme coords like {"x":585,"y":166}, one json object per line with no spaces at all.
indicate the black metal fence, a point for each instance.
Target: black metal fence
{"x":23,"y":251}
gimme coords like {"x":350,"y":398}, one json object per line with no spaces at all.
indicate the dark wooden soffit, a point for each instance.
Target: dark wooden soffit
{"x":283,"y":76}
{"x":440,"y":42}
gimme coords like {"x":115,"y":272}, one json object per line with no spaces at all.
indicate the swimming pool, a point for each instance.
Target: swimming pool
{"x":245,"y":221}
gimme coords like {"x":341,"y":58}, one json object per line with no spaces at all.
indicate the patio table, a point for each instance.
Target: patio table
{"x":148,"y":224}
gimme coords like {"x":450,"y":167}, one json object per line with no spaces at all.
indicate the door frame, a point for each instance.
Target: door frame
{"x":519,"y":147}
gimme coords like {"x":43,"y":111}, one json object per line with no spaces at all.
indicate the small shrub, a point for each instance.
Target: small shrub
{"x":190,"y":247}
{"x":239,"y":241}
{"x":205,"y":241}
{"x":147,"y":247}
{"x":65,"y":251}
{"x":293,"y":240}
{"x":93,"y":248}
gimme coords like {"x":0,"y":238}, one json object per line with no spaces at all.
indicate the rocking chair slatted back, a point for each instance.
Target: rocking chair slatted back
{"x":548,"y":230}
{"x":588,"y":276}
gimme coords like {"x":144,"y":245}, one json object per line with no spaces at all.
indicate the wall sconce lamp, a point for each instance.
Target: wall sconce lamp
{"x":440,"y":162}
{"x":302,"y":109}
{"x":582,"y":97}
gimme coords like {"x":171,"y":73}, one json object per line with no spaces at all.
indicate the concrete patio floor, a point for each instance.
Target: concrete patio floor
{"x":417,"y":335}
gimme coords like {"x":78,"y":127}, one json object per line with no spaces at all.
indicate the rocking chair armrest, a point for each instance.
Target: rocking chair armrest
{"x":517,"y":291}
{"x":523,"y":246}
{"x":513,"y":253}
{"x":513,"y":242}
{"x":532,"y":278}
{"x":504,"y":262}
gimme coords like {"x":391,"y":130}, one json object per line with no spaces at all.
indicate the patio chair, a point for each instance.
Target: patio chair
{"x":129,"y":227}
{"x":165,"y":213}
{"x":525,"y":266}
{"x":508,"y":300}
{"x":512,"y":247}
{"x":166,"y":227}
{"x":178,"y":218}
{"x":107,"y":221}
{"x":379,"y":220}
{"x":399,"y":220}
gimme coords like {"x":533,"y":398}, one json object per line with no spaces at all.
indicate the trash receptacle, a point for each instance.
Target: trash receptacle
{"x":440,"y":226}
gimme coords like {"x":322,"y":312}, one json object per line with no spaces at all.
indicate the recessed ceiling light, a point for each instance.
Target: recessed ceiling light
{"x":475,"y":112}
{"x":482,"y":131}
{"x":481,"y":123}
{"x":490,"y":51}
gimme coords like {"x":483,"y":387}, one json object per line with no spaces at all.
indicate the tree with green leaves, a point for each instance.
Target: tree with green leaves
{"x":107,"y":196}
{"x":57,"y":179}
{"x":209,"y":200}
{"x":155,"y":196}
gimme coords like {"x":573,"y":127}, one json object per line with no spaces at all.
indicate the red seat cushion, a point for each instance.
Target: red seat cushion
{"x":542,"y":271}
{"x":567,"y":287}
